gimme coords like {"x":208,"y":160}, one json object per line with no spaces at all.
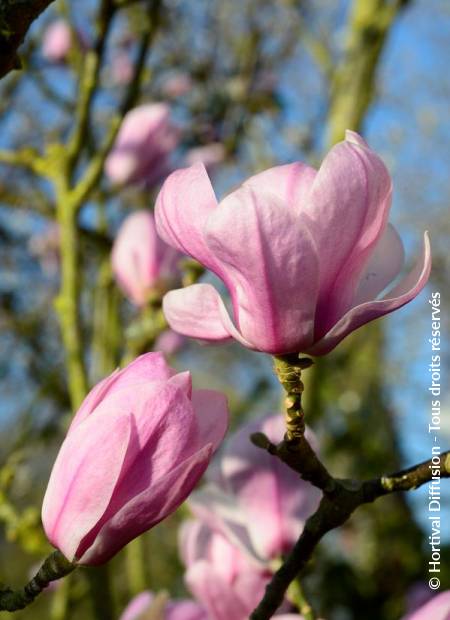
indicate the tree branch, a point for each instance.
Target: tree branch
{"x":16,"y":17}
{"x":353,"y":84}
{"x":340,"y":499}
{"x":54,"y":567}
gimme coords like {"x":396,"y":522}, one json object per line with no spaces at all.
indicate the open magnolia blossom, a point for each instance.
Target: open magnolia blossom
{"x":141,"y":261}
{"x":137,"y":446}
{"x":224,"y":580}
{"x":146,"y":605}
{"x":254,"y":499}
{"x":306,"y":254}
{"x":438,"y":608}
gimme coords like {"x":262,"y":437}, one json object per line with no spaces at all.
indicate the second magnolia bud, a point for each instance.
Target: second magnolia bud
{"x":141,"y":261}
{"x":135,"y":450}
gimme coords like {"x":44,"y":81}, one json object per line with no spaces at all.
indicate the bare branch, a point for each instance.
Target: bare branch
{"x":16,"y":17}
{"x":340,"y":499}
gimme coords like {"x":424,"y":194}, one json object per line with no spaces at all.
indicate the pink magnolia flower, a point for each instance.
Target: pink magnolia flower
{"x":438,"y":608}
{"x":174,"y":610}
{"x":226,"y":583}
{"x":57,"y":41}
{"x":255,"y":500}
{"x":141,"y":261}
{"x":145,"y":140}
{"x":305,"y":254}
{"x":134,"y":451}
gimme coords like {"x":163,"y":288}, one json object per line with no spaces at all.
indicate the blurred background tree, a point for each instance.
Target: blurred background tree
{"x":264,"y":83}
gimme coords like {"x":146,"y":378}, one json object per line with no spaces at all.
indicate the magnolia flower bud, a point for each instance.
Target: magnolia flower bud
{"x":57,"y":41}
{"x":141,"y":151}
{"x":137,"y":446}
{"x":141,"y":261}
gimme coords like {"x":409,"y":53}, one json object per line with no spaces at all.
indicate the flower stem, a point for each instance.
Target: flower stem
{"x":288,"y":369}
{"x":53,"y":568}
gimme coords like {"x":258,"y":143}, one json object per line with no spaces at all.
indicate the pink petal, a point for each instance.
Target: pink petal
{"x":147,"y":367}
{"x":94,"y":397}
{"x":199,"y":312}
{"x":144,"y":369}
{"x":219,"y":576}
{"x":164,"y":432}
{"x":148,"y":508}
{"x":185,"y":610}
{"x":140,"y":258}
{"x":270,"y":266}
{"x":211,"y":409}
{"x":347,"y":211}
{"x":193,"y":537}
{"x":438,"y":608}
{"x":184,"y":203}
{"x":80,"y":487}
{"x":145,"y":139}
{"x":275,"y":502}
{"x":182,"y":381}
{"x":57,"y":41}
{"x":352,"y":136}
{"x":256,"y":503}
{"x":221,"y":512}
{"x":408,"y":288}
{"x":291,"y":183}
{"x":137,"y":606}
{"x":215,"y":594}
{"x":383,"y":267}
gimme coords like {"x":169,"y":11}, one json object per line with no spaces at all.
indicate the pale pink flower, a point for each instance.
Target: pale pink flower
{"x":143,"y":145}
{"x":137,"y":446}
{"x":255,"y":500}
{"x":141,"y":261}
{"x":305,"y":254}
{"x":438,"y":608}
{"x":174,"y":610}
{"x":57,"y":41}
{"x":226,"y":583}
